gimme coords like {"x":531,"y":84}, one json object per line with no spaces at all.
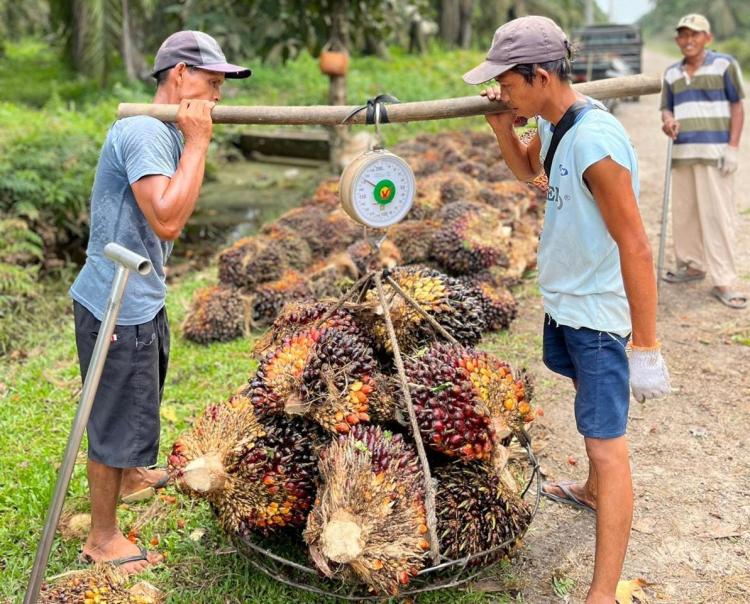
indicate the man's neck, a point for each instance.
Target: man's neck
{"x":561,"y":97}
{"x":697,"y":60}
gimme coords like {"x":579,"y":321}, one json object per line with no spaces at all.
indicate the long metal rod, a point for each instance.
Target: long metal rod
{"x":429,"y":496}
{"x":334,"y":115}
{"x":664,"y":215}
{"x":125,"y":260}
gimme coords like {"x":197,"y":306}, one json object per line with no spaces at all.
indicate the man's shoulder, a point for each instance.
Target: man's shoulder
{"x":674,"y":72}
{"x":721,"y":60}
{"x":141,"y":124}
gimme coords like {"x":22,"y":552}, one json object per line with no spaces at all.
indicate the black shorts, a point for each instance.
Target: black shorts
{"x":123,"y":429}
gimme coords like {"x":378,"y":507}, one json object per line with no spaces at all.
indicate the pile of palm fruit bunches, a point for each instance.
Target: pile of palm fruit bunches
{"x":471,"y":220}
{"x":316,"y":446}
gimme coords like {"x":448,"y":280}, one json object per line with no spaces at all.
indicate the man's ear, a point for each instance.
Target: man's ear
{"x":179,"y":71}
{"x":543,"y":75}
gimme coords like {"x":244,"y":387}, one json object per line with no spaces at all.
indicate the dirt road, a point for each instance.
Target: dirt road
{"x":690,"y":452}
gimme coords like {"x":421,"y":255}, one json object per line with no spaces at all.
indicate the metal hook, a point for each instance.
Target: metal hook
{"x":379,"y":144}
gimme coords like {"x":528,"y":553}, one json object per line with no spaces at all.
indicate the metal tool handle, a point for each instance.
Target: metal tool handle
{"x":126,"y":261}
{"x":664,"y":216}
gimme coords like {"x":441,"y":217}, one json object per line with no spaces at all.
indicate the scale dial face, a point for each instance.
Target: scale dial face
{"x":377,"y":189}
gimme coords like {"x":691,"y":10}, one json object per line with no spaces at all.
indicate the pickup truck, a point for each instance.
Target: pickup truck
{"x":601,"y":51}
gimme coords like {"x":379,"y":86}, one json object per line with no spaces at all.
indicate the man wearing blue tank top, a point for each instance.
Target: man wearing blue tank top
{"x":147,"y":183}
{"x":595,"y":267}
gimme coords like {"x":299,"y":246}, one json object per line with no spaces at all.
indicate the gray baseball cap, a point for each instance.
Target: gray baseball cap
{"x":197,"y":49}
{"x":522,"y":41}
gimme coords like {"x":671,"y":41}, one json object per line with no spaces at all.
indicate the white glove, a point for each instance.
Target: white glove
{"x":649,"y":377}
{"x":728,"y":163}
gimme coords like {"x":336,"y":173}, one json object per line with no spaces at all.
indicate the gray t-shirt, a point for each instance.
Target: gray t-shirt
{"x":135,"y":147}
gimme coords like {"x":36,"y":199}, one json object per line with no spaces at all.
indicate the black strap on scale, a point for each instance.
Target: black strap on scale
{"x":566,"y":123}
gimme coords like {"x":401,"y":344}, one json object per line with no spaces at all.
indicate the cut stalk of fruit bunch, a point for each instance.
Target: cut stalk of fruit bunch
{"x":368,"y":522}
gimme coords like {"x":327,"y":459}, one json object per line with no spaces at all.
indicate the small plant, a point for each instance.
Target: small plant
{"x":562,"y":584}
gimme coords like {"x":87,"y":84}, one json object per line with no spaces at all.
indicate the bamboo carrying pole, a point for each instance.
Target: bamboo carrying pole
{"x":328,"y":115}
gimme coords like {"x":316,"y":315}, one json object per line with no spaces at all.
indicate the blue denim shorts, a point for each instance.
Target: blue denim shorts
{"x":597,"y":361}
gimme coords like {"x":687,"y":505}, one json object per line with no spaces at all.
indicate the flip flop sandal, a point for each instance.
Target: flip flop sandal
{"x":142,"y":555}
{"x":146,"y":492}
{"x":569,"y":499}
{"x":682,"y":276}
{"x":726,"y":298}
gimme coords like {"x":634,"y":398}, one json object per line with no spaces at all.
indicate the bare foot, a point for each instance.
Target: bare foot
{"x":116,"y":548}
{"x":577,"y":488}
{"x":136,"y":479}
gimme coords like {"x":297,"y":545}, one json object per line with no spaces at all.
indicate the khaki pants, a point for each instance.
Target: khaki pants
{"x":704,"y":219}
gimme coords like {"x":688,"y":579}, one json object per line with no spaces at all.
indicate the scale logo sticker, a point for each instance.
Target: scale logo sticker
{"x":384,"y":191}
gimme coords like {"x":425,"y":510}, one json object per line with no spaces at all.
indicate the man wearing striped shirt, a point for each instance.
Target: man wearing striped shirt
{"x":702,"y":112}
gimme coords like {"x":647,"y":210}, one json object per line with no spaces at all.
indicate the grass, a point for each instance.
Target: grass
{"x":38,"y":396}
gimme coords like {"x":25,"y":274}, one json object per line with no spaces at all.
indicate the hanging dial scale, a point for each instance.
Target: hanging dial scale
{"x":377,"y":188}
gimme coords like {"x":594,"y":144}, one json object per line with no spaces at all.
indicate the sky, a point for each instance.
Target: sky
{"x":624,"y":11}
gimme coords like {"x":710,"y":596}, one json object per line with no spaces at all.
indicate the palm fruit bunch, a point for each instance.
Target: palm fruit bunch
{"x":466,"y":401}
{"x":471,"y":242}
{"x":368,"y":523}
{"x":334,"y":232}
{"x":326,"y":195}
{"x":426,"y":204}
{"x":511,"y":198}
{"x":257,"y":477}
{"x":477,"y":512}
{"x":250,"y":261}
{"x":498,"y":304}
{"x":217,"y":315}
{"x":296,"y":316}
{"x":451,"y":303}
{"x":268,"y":299}
{"x":327,"y":373}
{"x":297,"y":251}
{"x":413,"y":238}
{"x":367,"y":258}
{"x":101,"y":584}
{"x":452,"y":418}
{"x":455,"y":186}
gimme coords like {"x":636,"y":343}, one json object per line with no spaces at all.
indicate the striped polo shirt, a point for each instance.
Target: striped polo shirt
{"x":701,"y":105}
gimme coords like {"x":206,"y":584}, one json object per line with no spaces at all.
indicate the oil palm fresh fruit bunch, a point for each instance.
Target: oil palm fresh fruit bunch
{"x":477,"y":512}
{"x":368,"y":522}
{"x":315,"y":372}
{"x":326,"y":194}
{"x":258,"y":477}
{"x":295,"y":249}
{"x":511,"y":198}
{"x":269,"y":298}
{"x":217,"y":314}
{"x":426,"y":203}
{"x":297,"y":316}
{"x":251,"y":261}
{"x":498,"y":304}
{"x":367,"y":258}
{"x":333,"y":233}
{"x":459,"y":209}
{"x":99,"y":584}
{"x":413,"y":238}
{"x":470,"y":243}
{"x":451,"y":303}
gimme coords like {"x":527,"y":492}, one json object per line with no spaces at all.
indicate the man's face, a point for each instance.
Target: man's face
{"x":691,"y":42}
{"x":199,"y":84}
{"x":523,"y":98}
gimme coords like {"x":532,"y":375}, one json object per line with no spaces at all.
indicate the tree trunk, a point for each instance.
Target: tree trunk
{"x":464,"y":35}
{"x":337,"y":87}
{"x":126,"y":45}
{"x":450,"y":21}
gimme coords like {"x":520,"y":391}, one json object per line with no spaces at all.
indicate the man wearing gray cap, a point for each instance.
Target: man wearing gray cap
{"x":147,"y":183}
{"x":595,"y":268}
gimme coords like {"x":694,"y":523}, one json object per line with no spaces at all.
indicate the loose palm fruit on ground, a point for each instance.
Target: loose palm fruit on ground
{"x":471,"y":243}
{"x":413,"y":238}
{"x":257,"y":477}
{"x":217,"y":314}
{"x":251,"y":261}
{"x":476,"y":512}
{"x":268,"y":299}
{"x":453,"y":305}
{"x":368,"y":522}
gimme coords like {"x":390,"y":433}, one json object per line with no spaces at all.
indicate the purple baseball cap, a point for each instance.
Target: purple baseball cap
{"x":197,"y":49}
{"x":525,"y":40}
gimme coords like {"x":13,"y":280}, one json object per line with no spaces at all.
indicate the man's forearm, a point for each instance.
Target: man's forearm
{"x":178,"y":201}
{"x":640,"y":288}
{"x":736,"y":121}
{"x":514,"y":153}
